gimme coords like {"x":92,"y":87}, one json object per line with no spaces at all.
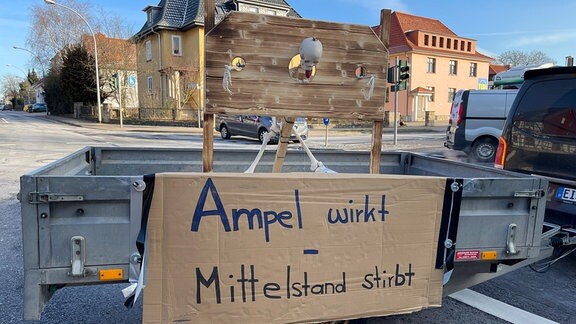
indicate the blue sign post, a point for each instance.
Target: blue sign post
{"x":326,"y":121}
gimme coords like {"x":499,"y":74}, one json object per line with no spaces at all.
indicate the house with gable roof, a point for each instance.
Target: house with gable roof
{"x":170,"y":49}
{"x":441,"y":63}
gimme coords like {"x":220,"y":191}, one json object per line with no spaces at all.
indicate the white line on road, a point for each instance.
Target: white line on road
{"x":497,"y":308}
{"x":5,"y":121}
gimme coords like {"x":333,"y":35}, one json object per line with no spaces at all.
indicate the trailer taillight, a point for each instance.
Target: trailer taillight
{"x":500,"y":158}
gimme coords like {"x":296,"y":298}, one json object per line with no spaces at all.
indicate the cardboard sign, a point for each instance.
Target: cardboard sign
{"x":289,"y":248}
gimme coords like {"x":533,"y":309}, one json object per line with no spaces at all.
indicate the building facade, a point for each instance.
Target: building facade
{"x":170,"y":49}
{"x":440,"y":62}
{"x":117,"y":69}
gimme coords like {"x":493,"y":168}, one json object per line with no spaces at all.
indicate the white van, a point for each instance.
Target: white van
{"x":476,"y":121}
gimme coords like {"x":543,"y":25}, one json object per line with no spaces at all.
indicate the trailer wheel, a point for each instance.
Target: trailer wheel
{"x":484,"y":150}
{"x":224,"y":133}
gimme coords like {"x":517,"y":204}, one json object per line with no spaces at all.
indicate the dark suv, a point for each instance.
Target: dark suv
{"x":539,"y":137}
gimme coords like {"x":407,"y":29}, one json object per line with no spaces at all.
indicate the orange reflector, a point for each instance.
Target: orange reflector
{"x":489,"y":255}
{"x":112,"y":274}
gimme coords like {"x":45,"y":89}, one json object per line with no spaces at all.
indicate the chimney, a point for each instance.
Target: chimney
{"x":569,"y":61}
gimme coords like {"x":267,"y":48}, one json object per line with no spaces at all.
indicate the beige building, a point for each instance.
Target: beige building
{"x":170,"y":49}
{"x":117,"y":62}
{"x":440,"y":62}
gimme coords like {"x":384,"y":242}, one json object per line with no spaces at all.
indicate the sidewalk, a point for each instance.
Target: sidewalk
{"x":317,"y":130}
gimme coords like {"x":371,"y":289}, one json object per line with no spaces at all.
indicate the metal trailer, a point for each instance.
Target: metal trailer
{"x":81,"y":214}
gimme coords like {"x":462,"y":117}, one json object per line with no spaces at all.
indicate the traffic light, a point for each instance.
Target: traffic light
{"x":392,"y":74}
{"x":114,"y":81}
{"x":404,"y":69}
{"x":403,"y":75}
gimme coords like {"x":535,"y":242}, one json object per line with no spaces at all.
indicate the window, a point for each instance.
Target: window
{"x":462,"y":43}
{"x":448,"y":43}
{"x":434,"y":41}
{"x":432,"y":96}
{"x":387,"y":95}
{"x":441,"y":41}
{"x":176,"y":45}
{"x":469,"y":46}
{"x":456,"y":44}
{"x":451,"y":94}
{"x":431,"y":65}
{"x":453,"y":67}
{"x":426,"y":39}
{"x":149,"y":17}
{"x":253,"y":9}
{"x":473,"y":69}
{"x":149,"y":84}
{"x":148,"y":50}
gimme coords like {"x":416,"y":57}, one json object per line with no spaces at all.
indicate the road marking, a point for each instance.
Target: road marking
{"x":5,"y":121}
{"x":497,"y":308}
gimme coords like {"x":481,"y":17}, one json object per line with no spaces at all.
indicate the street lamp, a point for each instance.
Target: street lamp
{"x":51,"y":2}
{"x":25,"y":80}
{"x":33,"y":54}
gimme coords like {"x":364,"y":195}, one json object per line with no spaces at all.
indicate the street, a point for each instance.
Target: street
{"x":29,"y":141}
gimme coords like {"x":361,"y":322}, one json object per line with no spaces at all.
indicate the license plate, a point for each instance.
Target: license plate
{"x":567,"y":195}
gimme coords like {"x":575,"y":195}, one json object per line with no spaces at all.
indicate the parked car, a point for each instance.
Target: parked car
{"x":539,"y":137}
{"x":27,"y":108}
{"x":39,"y":107}
{"x":254,"y":126}
{"x":6,"y":107}
{"x":476,"y":121}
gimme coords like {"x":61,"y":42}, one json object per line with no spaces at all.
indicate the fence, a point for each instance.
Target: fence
{"x":184,"y":115}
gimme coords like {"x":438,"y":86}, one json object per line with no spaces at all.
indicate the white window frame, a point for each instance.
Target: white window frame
{"x":451,"y":94}
{"x":149,"y":84}
{"x":431,"y":65}
{"x":433,"y":89}
{"x":453,"y":67}
{"x":177,"y":50}
{"x":149,"y":17}
{"x":148,"y":46}
{"x":473,"y":69}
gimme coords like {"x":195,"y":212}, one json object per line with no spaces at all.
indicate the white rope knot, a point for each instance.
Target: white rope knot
{"x":227,"y":79}
{"x":371,"y":84}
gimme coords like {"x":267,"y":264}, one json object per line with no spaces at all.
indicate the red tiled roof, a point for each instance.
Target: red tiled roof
{"x":402,"y":23}
{"x":498,"y":68}
{"x":410,"y":22}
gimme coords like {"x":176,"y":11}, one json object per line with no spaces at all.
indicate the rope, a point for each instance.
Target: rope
{"x":227,"y":79}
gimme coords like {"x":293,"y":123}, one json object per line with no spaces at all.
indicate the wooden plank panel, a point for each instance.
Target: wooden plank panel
{"x":208,"y":129}
{"x":377,"y":127}
{"x":264,"y":86}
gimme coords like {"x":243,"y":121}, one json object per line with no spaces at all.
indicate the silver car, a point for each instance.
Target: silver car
{"x":254,"y":126}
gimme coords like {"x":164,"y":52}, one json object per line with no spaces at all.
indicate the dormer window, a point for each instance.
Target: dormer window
{"x":149,"y":17}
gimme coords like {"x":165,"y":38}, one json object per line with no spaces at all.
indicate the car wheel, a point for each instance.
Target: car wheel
{"x":224,"y":133}
{"x":484,"y":150}
{"x":261,"y":133}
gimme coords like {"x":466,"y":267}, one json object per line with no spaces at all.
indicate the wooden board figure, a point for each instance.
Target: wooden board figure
{"x":254,"y":67}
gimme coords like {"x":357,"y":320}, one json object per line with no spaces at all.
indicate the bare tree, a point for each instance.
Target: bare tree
{"x":11,"y":85}
{"x":520,"y":58}
{"x":55,"y":28}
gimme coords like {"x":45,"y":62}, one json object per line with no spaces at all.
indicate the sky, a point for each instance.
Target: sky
{"x":497,"y":25}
